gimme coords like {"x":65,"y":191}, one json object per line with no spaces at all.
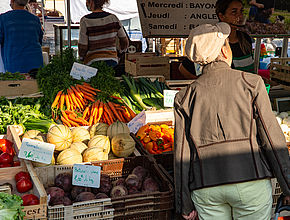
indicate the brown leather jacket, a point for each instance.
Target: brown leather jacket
{"x":225,"y":132}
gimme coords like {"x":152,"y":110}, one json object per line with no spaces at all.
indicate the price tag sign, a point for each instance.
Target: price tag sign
{"x":137,"y":122}
{"x":86,"y":175}
{"x":169,"y":96}
{"x":36,"y":151}
{"x":80,"y":71}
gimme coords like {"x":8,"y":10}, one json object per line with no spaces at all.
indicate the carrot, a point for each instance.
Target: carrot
{"x":132,"y":114}
{"x":56,"y":99}
{"x":89,"y":98}
{"x":111,"y":105}
{"x":73,"y":98}
{"x":121,"y":116}
{"x":64,"y":115}
{"x":101,"y":111}
{"x":65,"y":122}
{"x":90,"y":87}
{"x":115,"y":97}
{"x":78,"y":94}
{"x":85,"y":89}
{"x":78,"y":89}
{"x":91,"y":120}
{"x":126,"y":115}
{"x":61,"y":101}
{"x":74,"y":119}
{"x":109,"y":112}
{"x":67,"y":102}
{"x":86,"y":112}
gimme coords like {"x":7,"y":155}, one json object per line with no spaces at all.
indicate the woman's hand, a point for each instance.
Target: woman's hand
{"x":190,"y":216}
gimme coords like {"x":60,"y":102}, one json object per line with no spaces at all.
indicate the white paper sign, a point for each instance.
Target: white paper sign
{"x":137,"y":122}
{"x":80,"y":71}
{"x":86,"y":175}
{"x":169,"y":96}
{"x":36,"y":151}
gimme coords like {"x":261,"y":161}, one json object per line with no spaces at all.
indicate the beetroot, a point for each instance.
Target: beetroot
{"x":133,"y":181}
{"x":120,"y":181}
{"x":60,"y":201}
{"x":101,"y":196}
{"x":140,"y":171}
{"x":85,"y":196}
{"x":150,"y":185}
{"x":118,"y":191}
{"x":133,"y":190}
{"x":64,"y":181}
{"x":55,"y":192}
{"x":105,"y":184}
{"x":76,"y":190}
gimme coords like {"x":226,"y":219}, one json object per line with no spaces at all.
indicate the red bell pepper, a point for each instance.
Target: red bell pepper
{"x":6,"y":146}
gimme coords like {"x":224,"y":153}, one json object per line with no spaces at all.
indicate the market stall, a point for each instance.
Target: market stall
{"x":94,"y":146}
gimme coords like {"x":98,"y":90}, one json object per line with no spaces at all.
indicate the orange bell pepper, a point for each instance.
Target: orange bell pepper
{"x":142,"y":132}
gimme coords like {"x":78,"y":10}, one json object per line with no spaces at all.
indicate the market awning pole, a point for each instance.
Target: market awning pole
{"x":68,"y":21}
{"x":257,"y":54}
{"x":42,"y":12}
{"x":284,"y":47}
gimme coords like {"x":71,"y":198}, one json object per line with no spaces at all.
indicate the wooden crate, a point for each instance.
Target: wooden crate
{"x":280,"y":71}
{"x":144,"y":64}
{"x":18,"y":88}
{"x":7,"y":176}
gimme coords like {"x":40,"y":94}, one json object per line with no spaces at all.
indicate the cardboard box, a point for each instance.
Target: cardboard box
{"x":144,"y":64}
{"x":18,"y":88}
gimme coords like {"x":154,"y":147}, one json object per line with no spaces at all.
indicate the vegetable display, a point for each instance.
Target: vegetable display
{"x":143,"y":94}
{"x":283,"y":119}
{"x":12,"y":76}
{"x":138,"y":181}
{"x":7,"y":154}
{"x":156,"y":139}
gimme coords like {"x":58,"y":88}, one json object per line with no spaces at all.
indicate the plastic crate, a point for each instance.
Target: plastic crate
{"x":165,"y":159}
{"x":153,"y":205}
{"x":93,"y":209}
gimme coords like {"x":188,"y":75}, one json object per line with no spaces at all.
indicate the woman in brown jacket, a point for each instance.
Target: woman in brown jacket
{"x":228,"y":143}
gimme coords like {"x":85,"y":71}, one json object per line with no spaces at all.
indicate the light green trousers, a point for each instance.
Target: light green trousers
{"x":242,"y":201}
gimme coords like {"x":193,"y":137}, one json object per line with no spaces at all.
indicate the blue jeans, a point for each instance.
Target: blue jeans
{"x":111,"y":63}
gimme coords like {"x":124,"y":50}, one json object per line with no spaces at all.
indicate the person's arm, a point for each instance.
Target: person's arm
{"x":273,"y":143}
{"x":83,"y":40}
{"x":124,"y":42}
{"x":254,"y":3}
{"x":182,"y":156}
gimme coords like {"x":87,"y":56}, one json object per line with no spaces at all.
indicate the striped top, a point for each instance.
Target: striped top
{"x":97,"y":39}
{"x":242,"y":61}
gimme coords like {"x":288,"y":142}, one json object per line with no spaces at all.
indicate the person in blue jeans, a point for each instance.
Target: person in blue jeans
{"x":20,"y":39}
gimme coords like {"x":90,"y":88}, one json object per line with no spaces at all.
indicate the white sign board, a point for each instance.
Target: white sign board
{"x":137,"y":122}
{"x":174,"y":18}
{"x":86,"y":175}
{"x":169,"y":96}
{"x":80,"y":71}
{"x":36,"y":151}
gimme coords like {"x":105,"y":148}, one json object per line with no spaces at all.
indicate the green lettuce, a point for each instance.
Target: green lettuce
{"x":10,"y":207}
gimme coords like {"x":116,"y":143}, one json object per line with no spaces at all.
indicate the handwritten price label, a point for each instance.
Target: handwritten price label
{"x":80,"y":71}
{"x":137,"y":122}
{"x":36,"y":151}
{"x":169,"y":96}
{"x":86,"y":175}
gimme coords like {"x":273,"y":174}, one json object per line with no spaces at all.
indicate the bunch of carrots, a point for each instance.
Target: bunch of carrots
{"x":79,"y":106}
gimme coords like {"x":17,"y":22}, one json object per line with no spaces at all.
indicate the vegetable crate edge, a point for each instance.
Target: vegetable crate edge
{"x":280,"y":71}
{"x":7,"y":176}
{"x":154,"y":205}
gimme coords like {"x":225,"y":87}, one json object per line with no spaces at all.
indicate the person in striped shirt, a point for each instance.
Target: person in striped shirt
{"x":99,"y":32}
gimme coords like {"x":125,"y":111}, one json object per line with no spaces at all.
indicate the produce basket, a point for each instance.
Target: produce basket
{"x":144,"y":64}
{"x":93,"y":209}
{"x":155,"y":205}
{"x":7,"y":176}
{"x":280,"y":71}
{"x":165,"y":159}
